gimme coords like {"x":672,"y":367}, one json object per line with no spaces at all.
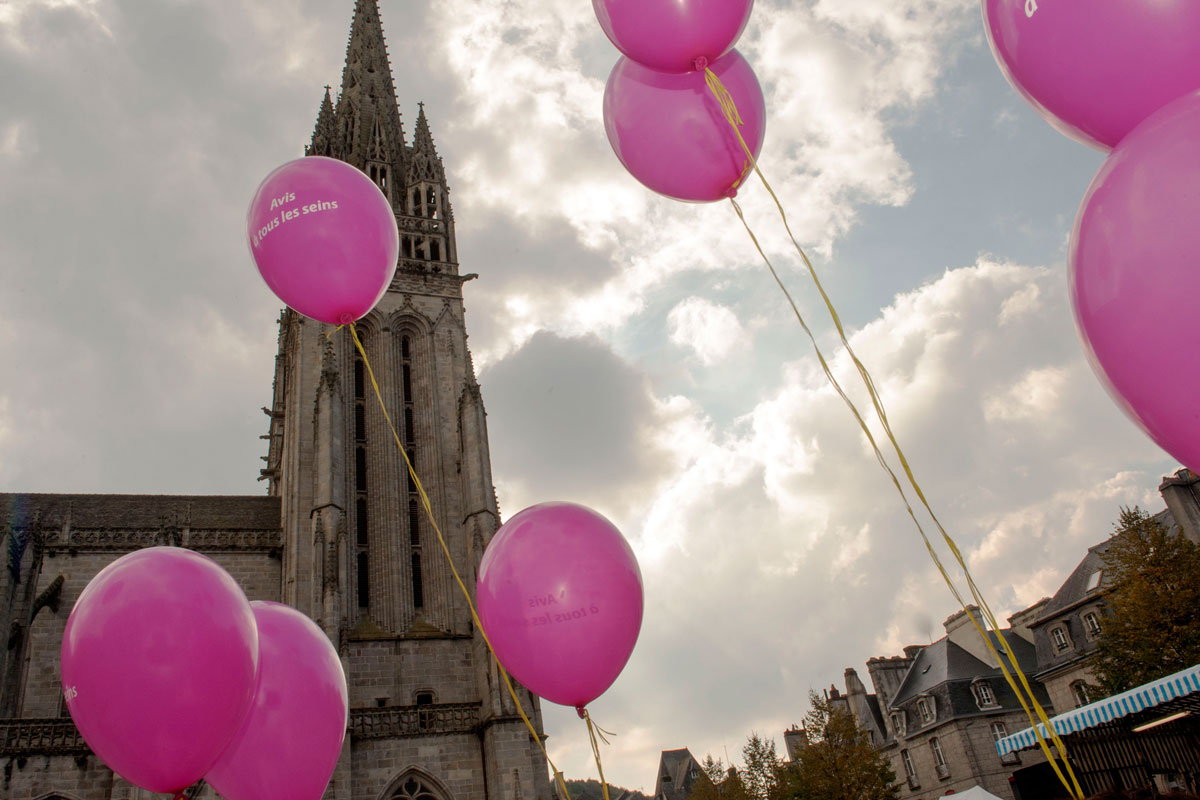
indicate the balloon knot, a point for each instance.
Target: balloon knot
{"x":731,"y":192}
{"x":345,"y":318}
{"x":701,"y":63}
{"x":581,"y":712}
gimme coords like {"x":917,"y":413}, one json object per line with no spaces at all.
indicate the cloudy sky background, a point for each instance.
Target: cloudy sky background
{"x":634,"y":354}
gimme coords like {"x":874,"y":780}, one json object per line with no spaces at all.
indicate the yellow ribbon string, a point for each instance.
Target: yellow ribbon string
{"x":453,"y":569}
{"x":596,"y":732}
{"x":725,"y":100}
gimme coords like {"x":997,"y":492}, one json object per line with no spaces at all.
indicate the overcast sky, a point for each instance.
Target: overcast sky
{"x":634,"y":354}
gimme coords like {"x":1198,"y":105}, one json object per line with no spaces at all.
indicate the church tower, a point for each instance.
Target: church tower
{"x":340,"y":534}
{"x":430,"y":719}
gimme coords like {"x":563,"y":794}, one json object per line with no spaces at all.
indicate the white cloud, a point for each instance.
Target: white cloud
{"x":710,"y":330}
{"x":1035,"y":396}
{"x":780,"y":528}
{"x":532,"y":77}
{"x":16,"y":140}
{"x":774,"y":551}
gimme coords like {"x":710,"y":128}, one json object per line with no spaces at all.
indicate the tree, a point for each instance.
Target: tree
{"x":1151,"y":628}
{"x":761,"y":776}
{"x":839,"y":763}
{"x":713,"y":768}
{"x":717,"y":783}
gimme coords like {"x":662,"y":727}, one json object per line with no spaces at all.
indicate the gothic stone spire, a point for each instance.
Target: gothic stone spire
{"x":367,"y":116}
{"x":424,"y":164}
{"x":324,"y":138}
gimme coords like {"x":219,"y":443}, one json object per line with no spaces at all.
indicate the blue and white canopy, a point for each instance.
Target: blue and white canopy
{"x":1145,"y":696}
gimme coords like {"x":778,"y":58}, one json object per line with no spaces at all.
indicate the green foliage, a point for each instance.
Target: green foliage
{"x":761,"y":776}
{"x":1151,"y":628}
{"x":714,"y":769}
{"x":590,"y":790}
{"x":717,"y":783}
{"x":839,"y":763}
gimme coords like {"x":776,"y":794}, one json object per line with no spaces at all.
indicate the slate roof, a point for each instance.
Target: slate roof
{"x":1074,"y":588}
{"x":675,"y":774}
{"x":945,"y":662}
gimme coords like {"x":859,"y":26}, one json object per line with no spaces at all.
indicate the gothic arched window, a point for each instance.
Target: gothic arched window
{"x":413,"y":788}
{"x":361,"y":539}
{"x":414,"y":538}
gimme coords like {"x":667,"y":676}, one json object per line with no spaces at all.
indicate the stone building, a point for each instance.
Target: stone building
{"x":339,"y":534}
{"x":938,"y":710}
{"x":1067,"y":625}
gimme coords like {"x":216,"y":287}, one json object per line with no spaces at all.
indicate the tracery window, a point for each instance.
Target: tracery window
{"x":413,"y":788}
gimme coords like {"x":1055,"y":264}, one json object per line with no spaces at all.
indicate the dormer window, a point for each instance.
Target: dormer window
{"x":898,"y":723}
{"x":927,"y":709}
{"x":1091,"y":624}
{"x":984,"y":696}
{"x":1058,"y":635}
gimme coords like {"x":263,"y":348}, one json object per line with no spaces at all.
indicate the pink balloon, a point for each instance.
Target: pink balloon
{"x":159,"y":662}
{"x":670,"y":133}
{"x":1096,"y":68}
{"x":1135,"y":276}
{"x":290,"y":743}
{"x":324,"y":238}
{"x":669,"y":35}
{"x":560,"y":598}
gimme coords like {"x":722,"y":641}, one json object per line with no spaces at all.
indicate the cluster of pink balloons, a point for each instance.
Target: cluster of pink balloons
{"x":171,"y":676}
{"x":324,"y":238}
{"x":662,"y":120}
{"x":1125,"y":75}
{"x":560,"y":599}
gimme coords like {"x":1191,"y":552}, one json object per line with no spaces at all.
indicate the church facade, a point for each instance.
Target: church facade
{"x":340,"y":533}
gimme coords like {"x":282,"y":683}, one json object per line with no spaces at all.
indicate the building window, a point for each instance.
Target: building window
{"x":424,"y":700}
{"x":360,"y":469}
{"x":361,"y":538}
{"x":413,"y":789}
{"x":1080,"y":693}
{"x":1059,"y":636}
{"x":939,"y":760}
{"x":364,"y":590}
{"x":925,"y":708}
{"x":984,"y":695}
{"x":1094,"y":580}
{"x":414,"y":530}
{"x":1091,"y":624}
{"x":909,"y":770}
{"x":898,"y":723}
{"x":998,"y":733}
{"x":360,"y":520}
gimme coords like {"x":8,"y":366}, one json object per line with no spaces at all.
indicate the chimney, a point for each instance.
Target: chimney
{"x":961,"y":631}
{"x":854,"y":686}
{"x":794,"y":741}
{"x":1181,"y":492}
{"x":1020,"y":621}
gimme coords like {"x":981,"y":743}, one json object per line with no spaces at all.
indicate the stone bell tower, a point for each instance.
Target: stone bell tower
{"x":430,"y":719}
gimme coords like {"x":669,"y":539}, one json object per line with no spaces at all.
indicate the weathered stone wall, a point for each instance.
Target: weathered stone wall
{"x":453,"y":763}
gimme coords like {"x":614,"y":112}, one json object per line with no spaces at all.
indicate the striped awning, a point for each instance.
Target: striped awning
{"x":1145,"y":696}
